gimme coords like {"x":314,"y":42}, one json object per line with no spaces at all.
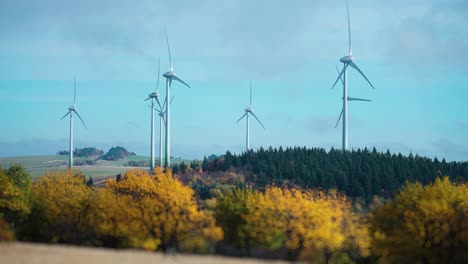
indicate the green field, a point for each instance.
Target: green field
{"x":39,"y":165}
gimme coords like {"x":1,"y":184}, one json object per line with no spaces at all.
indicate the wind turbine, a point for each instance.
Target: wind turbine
{"x":348,"y":61}
{"x":155,"y":97}
{"x":249,"y":111}
{"x":162,"y":124}
{"x":170,"y":75}
{"x":71,"y":110}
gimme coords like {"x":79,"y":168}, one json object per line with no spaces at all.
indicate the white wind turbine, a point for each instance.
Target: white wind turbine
{"x":348,"y":61}
{"x":155,"y":97}
{"x":170,"y":75}
{"x":249,"y":111}
{"x":71,"y":110}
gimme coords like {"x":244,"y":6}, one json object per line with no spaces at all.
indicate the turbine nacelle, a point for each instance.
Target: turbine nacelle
{"x":169,"y":74}
{"x":347,"y":59}
{"x":72,"y":108}
{"x":153,"y":95}
{"x":249,"y":109}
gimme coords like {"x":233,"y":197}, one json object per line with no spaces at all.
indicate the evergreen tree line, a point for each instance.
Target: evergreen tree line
{"x":358,"y":173}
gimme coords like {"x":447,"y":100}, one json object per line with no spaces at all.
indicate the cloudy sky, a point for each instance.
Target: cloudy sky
{"x":414,"y":52}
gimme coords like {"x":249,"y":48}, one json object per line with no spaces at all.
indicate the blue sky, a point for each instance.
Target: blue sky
{"x":414,"y":52}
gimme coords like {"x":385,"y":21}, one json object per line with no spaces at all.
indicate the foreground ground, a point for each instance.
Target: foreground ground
{"x":26,"y":253}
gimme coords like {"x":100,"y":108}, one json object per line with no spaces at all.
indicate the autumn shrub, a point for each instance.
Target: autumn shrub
{"x":230,"y":210}
{"x":15,"y":203}
{"x":63,"y":209}
{"x":311,"y":225}
{"x":155,"y":212}
{"x":423,"y":224}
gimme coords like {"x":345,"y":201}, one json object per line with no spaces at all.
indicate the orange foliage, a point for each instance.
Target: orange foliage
{"x":154,"y":212}
{"x":5,"y":232}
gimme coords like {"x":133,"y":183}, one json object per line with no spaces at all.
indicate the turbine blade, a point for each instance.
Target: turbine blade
{"x":169,"y":51}
{"x":65,"y":115}
{"x":338,"y":71}
{"x":171,"y":99}
{"x":157,"y":110}
{"x":74,"y":88}
{"x":178,"y":79}
{"x":339,"y":76}
{"x":164,"y":104}
{"x":257,"y":119}
{"x":349,"y":28}
{"x":250,"y":93}
{"x":159,"y":103}
{"x":358,"y":99}
{"x":76,"y":112}
{"x":147,"y":98}
{"x":339,"y":118}
{"x":159,"y":67}
{"x":359,"y":70}
{"x":241,"y":117}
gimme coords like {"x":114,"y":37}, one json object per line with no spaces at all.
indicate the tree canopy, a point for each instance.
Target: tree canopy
{"x":358,"y":173}
{"x":423,"y":224}
{"x":117,"y":153}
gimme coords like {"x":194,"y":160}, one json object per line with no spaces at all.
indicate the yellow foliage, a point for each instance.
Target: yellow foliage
{"x":423,"y":224}
{"x":13,"y":200}
{"x":310,"y":224}
{"x":154,"y":212}
{"x":307,"y":222}
{"x":64,"y":203}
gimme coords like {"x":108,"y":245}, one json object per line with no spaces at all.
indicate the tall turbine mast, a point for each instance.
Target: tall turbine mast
{"x":348,"y":61}
{"x":154,"y":97}
{"x":170,"y":76}
{"x":248,"y":112}
{"x":71,"y":110}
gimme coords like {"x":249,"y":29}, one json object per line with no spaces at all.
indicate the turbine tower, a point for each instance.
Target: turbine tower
{"x":348,"y":61}
{"x":154,"y":97}
{"x":162,"y":121}
{"x":162,"y":124}
{"x":249,"y":111}
{"x":71,"y":110}
{"x":170,"y":76}
{"x":349,"y":99}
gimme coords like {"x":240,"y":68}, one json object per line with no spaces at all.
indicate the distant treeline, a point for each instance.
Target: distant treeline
{"x":114,"y":153}
{"x":83,"y":152}
{"x":358,"y":173}
{"x":117,"y":153}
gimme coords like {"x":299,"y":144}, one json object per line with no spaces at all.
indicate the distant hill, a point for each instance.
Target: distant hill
{"x":359,"y":173}
{"x":39,"y":165}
